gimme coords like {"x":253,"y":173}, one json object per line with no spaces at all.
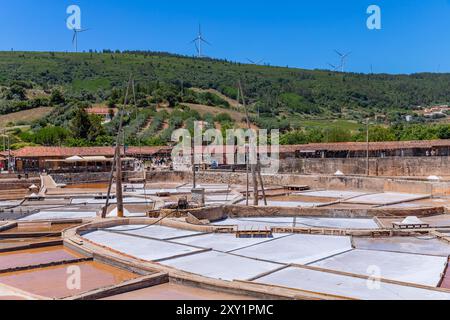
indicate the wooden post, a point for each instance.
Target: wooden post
{"x":255,"y":168}
{"x":119,"y":194}
{"x":368,"y":149}
{"x":252,"y":165}
{"x":118,"y":162}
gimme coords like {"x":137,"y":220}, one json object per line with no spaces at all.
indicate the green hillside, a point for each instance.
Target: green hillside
{"x":285,"y":98}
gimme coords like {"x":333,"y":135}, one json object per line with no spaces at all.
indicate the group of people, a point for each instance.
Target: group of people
{"x":160,"y":163}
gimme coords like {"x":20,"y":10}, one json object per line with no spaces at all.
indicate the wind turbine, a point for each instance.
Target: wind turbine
{"x":255,"y":62}
{"x":333,"y":66}
{"x":75,"y":37}
{"x":198,"y":42}
{"x":343,"y":58}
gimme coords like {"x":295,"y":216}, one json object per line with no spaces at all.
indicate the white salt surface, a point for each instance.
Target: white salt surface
{"x":127,"y":214}
{"x":413,"y":268}
{"x":300,"y":249}
{"x":251,"y":224}
{"x":134,"y":186}
{"x":223,"y":242}
{"x":111,"y":201}
{"x":286,"y":204}
{"x":301,"y":222}
{"x":342,"y":223}
{"x":154,"y":192}
{"x":405,"y":205}
{"x":331,"y":194}
{"x":424,"y":245}
{"x":387,"y":198}
{"x":145,"y":249}
{"x":207,"y":187}
{"x":345,"y":286}
{"x":222,"y":197}
{"x":220,"y":265}
{"x":156,"y":232}
{"x":55,"y":215}
{"x":9,"y":203}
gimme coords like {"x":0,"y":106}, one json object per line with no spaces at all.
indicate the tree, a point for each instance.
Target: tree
{"x":95,"y":129}
{"x":16,"y":92}
{"x":81,"y":124}
{"x":57,"y":97}
{"x":223,"y":118}
{"x":294,"y":137}
{"x":336,"y":134}
{"x":50,"y":136}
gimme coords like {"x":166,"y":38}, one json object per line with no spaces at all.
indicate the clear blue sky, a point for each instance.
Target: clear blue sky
{"x":415,"y":34}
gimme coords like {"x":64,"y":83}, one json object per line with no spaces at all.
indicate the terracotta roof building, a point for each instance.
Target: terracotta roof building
{"x":101,"y":111}
{"x":65,"y":152}
{"x":376,"y":149}
{"x":34,"y":158}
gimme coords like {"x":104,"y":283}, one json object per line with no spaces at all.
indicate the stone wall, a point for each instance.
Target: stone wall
{"x":394,"y":167}
{"x":242,"y":211}
{"x":16,"y":184}
{"x":370,"y":184}
{"x":357,"y":183}
{"x":78,"y":178}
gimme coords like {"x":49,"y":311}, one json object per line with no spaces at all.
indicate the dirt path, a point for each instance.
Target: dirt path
{"x":203,"y":109}
{"x":146,"y":126}
{"x":26,"y":116}
{"x":232,"y":102}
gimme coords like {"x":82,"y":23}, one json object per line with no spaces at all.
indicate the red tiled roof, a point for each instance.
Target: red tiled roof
{"x":100,"y":110}
{"x":345,"y":146}
{"x":361,"y":146}
{"x":65,"y":152}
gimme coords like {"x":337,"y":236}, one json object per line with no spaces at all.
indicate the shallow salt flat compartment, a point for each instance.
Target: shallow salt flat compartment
{"x":207,"y":187}
{"x":298,"y":248}
{"x":153,"y":231}
{"x":405,"y":267}
{"x":55,"y":215}
{"x":154,"y":192}
{"x":38,"y":256}
{"x":172,"y":291}
{"x":111,"y":201}
{"x":223,"y":242}
{"x":350,"y":223}
{"x":331,"y":194}
{"x":343,"y":223}
{"x":222,"y":197}
{"x":347,"y":286}
{"x":286,"y":204}
{"x":420,"y":245}
{"x":52,"y":281}
{"x":263,"y":222}
{"x":224,"y":266}
{"x":141,"y":248}
{"x":387,"y":198}
{"x":241,"y":223}
{"x":9,"y":203}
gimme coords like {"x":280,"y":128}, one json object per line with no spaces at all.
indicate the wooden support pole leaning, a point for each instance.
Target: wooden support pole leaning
{"x":368,"y":149}
{"x":262,"y":183}
{"x":117,"y":164}
{"x":255,"y":168}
